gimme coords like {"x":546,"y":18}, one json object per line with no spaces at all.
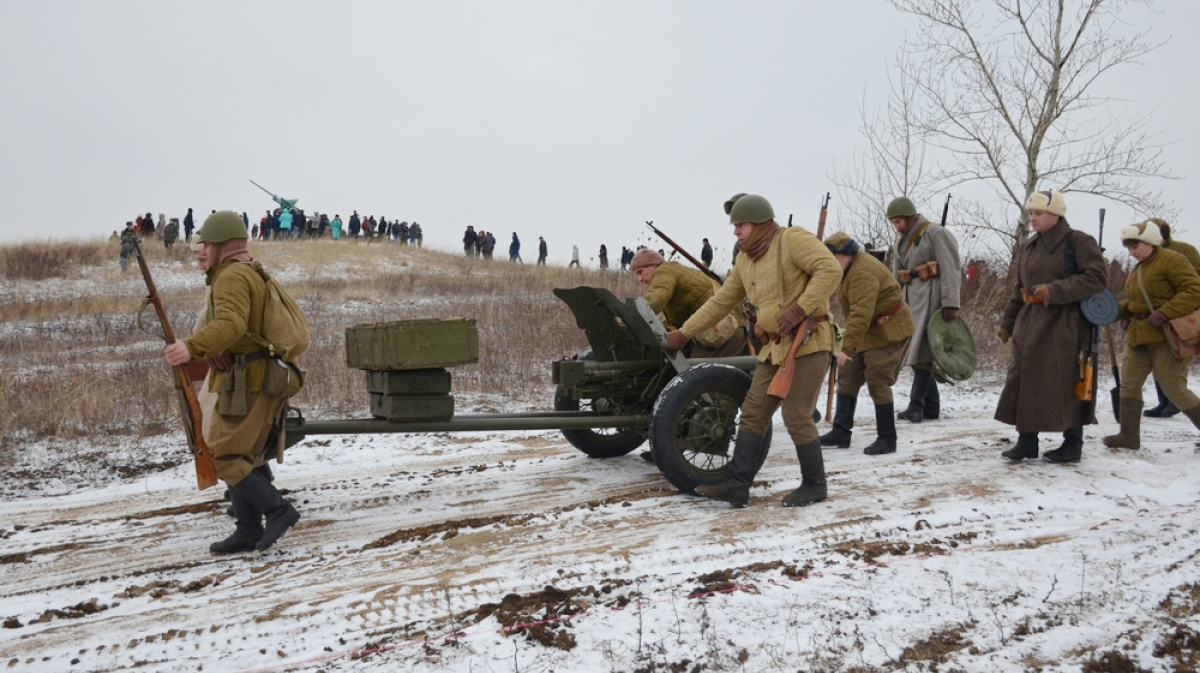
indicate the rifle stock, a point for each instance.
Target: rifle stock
{"x":189,"y":405}
{"x":781,"y":384}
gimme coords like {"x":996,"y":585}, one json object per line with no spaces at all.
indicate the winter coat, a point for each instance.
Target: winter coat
{"x":1187,"y":250}
{"x":797,"y":268}
{"x":336,"y":226}
{"x":285,"y":221}
{"x":1039,"y":390}
{"x":236,"y":306}
{"x":926,"y":242}
{"x":866,"y":293}
{"x":1174,"y":289}
{"x":678,"y":291}
{"x":170,"y":233}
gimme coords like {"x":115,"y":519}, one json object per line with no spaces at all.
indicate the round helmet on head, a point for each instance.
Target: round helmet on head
{"x":222,"y":226}
{"x":732,"y":200}
{"x":901,"y":207}
{"x":751,"y":208}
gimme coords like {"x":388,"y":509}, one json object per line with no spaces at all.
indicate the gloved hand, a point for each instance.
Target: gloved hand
{"x":676,"y":340}
{"x":1042,"y":293}
{"x":1158,"y":318}
{"x":1004,"y":335}
{"x":949,"y":314}
{"x":791,"y":318}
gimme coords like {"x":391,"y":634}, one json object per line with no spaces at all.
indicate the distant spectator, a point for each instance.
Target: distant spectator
{"x":706,"y":254}
{"x":574,"y":257}
{"x":541,"y":251}
{"x":189,"y":226}
{"x":514,"y":249}
{"x":603,"y":256}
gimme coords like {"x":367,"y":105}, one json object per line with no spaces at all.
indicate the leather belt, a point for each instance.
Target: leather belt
{"x":886,"y":315}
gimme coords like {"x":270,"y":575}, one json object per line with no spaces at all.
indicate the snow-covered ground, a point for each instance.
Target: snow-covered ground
{"x":514,"y":552}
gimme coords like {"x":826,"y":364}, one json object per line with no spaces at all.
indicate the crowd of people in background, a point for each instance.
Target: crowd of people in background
{"x":294,"y":224}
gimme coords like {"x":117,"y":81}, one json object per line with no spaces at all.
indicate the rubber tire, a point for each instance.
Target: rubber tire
{"x":596,"y":443}
{"x":677,"y":400}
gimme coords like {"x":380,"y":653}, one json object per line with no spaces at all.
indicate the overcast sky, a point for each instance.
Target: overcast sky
{"x":576,"y":121}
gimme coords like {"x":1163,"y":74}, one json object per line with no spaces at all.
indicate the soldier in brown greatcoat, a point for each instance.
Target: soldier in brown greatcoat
{"x":875,"y":340}
{"x":1054,"y":271}
{"x":1165,"y":409}
{"x":1162,"y":287}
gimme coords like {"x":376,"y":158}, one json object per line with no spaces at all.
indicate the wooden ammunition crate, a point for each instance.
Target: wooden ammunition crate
{"x":412,"y":344}
{"x":409,"y":382}
{"x":411,"y":407}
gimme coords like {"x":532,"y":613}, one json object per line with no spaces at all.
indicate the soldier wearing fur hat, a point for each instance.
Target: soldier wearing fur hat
{"x":676,"y":292}
{"x":926,"y":265}
{"x":238,"y":432}
{"x":789,"y":275}
{"x":1162,"y":286}
{"x":1165,"y":409}
{"x":879,"y":326}
{"x":1054,"y":271}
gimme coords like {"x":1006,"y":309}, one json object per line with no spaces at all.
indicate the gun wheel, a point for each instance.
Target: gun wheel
{"x":694,"y":424}
{"x":598,"y":442}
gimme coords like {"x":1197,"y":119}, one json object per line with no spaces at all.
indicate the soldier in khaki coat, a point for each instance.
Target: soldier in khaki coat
{"x":1162,"y":287}
{"x":1165,"y":409}
{"x":875,"y":340}
{"x":677,"y":291}
{"x":238,"y":433}
{"x":925,"y":263}
{"x":1054,"y":271}
{"x":789,"y":275}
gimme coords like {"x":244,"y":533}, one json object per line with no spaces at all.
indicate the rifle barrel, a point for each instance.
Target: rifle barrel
{"x":687,"y":255}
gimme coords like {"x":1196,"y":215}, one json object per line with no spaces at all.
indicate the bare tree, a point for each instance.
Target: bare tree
{"x":890,"y":164}
{"x":1004,"y":93}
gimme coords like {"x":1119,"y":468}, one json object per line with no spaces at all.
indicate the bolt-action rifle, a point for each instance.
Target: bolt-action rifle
{"x":1086,"y":386}
{"x":946,"y":209}
{"x":1115,"y":393}
{"x":189,"y":405}
{"x":781,"y":384}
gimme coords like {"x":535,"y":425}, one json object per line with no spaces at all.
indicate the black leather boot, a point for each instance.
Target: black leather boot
{"x":933,"y":400}
{"x":812,"y":476}
{"x":886,"y":427}
{"x":1026,"y":447}
{"x":843,"y":421}
{"x":1071,"y":449}
{"x":915,"y":413}
{"x":248,"y":528}
{"x":269,"y":503}
{"x":748,"y":455}
{"x":1157,"y":411}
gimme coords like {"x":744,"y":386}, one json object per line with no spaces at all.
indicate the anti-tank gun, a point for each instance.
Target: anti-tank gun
{"x":285,"y":204}
{"x":626,"y":389}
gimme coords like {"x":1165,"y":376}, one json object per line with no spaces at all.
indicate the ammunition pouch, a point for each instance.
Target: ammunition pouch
{"x":232,"y":399}
{"x":928,"y":270}
{"x":282,"y":379}
{"x":905,"y":276}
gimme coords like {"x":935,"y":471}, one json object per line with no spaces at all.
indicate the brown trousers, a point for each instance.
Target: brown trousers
{"x":759,"y":407}
{"x":878,"y":368}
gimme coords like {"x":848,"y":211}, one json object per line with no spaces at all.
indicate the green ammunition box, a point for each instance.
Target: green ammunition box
{"x":409,"y":382}
{"x":411,"y":407}
{"x":412,"y":344}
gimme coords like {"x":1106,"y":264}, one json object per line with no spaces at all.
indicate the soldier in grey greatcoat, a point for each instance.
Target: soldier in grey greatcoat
{"x":926,"y":265}
{"x":1055,"y":270}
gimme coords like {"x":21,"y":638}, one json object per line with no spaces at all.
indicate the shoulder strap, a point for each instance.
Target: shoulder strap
{"x":1072,"y":265}
{"x":1145,"y":295}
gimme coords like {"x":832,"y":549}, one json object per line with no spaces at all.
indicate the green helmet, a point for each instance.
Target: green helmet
{"x":901,"y":207}
{"x":222,"y":226}
{"x":732,"y":200}
{"x":751,"y":208}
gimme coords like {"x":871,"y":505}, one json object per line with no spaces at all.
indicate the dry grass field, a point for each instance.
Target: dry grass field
{"x":75,"y":363}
